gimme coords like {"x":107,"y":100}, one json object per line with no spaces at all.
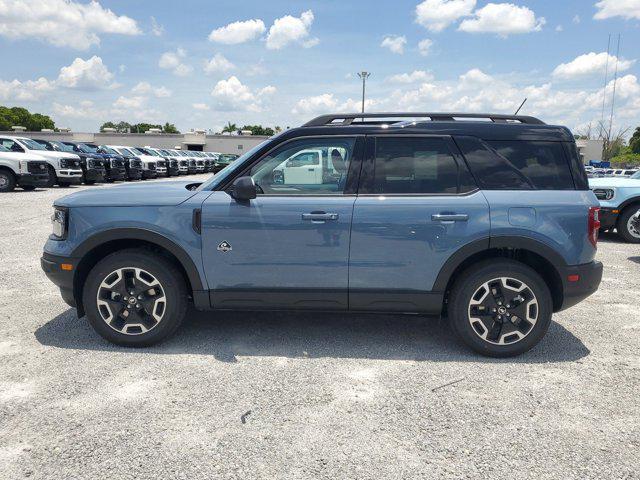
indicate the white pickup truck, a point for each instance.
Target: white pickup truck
{"x":20,"y":169}
{"x":63,"y":167}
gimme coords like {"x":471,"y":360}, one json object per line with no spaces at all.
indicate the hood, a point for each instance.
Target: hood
{"x":55,"y":155}
{"x":130,"y":195}
{"x":619,"y":182}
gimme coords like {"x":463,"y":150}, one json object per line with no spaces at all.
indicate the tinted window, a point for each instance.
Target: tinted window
{"x":281,"y":172}
{"x":414,"y":165}
{"x":544,"y":164}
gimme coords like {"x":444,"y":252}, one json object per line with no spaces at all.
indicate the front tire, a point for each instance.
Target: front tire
{"x":7,"y":181}
{"x":627,"y":226}
{"x":53,"y":178}
{"x":135,"y":298}
{"x":500,"y":308}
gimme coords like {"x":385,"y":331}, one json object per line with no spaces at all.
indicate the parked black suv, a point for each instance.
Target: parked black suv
{"x":93,"y":165}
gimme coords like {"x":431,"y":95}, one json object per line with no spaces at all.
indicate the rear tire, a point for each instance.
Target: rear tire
{"x":154,"y":311}
{"x":625,"y":225}
{"x":500,"y":308}
{"x":7,"y":181}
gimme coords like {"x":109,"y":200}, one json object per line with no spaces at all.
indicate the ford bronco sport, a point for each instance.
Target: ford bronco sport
{"x":487,"y":219}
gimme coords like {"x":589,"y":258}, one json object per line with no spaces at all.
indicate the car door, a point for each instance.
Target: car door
{"x":417,"y":205}
{"x":289,"y":247}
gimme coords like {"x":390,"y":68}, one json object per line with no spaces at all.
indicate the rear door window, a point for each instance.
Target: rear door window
{"x":544,"y":164}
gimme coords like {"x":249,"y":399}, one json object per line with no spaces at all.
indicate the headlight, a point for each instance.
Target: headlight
{"x":603,"y":193}
{"x":60,"y":222}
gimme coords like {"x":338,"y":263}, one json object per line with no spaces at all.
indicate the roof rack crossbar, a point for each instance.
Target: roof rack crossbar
{"x":348,"y":118}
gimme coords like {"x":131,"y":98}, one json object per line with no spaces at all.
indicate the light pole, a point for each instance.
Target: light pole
{"x":363,"y":75}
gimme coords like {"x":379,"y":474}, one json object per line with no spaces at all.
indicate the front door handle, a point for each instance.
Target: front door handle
{"x":449,"y":217}
{"x":319,"y":216}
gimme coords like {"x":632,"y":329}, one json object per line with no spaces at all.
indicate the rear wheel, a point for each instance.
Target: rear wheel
{"x":135,"y":298}
{"x":500,"y":308}
{"x":7,"y":181}
{"x":628,"y":224}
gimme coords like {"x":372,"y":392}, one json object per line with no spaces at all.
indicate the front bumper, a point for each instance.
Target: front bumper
{"x":134,"y":173}
{"x":33,"y":179}
{"x":70,"y":176}
{"x":94,"y":174}
{"x":149,"y":174}
{"x":117,"y":174}
{"x":608,"y":217}
{"x":588,"y":280}
{"x":63,"y":279}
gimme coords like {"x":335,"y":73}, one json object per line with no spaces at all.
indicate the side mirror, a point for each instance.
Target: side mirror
{"x":244,"y":188}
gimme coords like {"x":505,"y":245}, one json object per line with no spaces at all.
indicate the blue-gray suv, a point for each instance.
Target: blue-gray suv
{"x":487,"y":219}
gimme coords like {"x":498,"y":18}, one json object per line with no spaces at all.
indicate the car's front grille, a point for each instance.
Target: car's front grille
{"x":135,"y":163}
{"x":69,"y":163}
{"x":173,"y":163}
{"x":152,"y":166}
{"x":200,"y":163}
{"x":117,"y":163}
{"x":162,"y":163}
{"x":37,"y":167}
{"x":184,"y":163}
{"x":95,"y":164}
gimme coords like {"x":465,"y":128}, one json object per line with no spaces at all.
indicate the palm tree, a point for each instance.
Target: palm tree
{"x":230,"y":128}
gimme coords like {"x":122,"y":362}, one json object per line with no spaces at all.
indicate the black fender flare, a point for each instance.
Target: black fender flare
{"x":150,"y":236}
{"x":500,"y":241}
{"x":627,"y":202}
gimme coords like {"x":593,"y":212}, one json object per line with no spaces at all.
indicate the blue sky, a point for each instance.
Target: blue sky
{"x":201,"y":63}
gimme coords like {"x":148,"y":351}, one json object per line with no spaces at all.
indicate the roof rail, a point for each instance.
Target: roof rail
{"x":342,"y":119}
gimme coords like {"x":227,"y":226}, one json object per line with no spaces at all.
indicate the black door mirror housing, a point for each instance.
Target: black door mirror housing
{"x":244,"y":188}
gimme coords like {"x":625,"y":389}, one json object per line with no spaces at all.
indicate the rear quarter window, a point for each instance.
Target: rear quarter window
{"x":544,"y":164}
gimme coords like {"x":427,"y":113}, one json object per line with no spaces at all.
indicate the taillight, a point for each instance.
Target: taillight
{"x":593,"y":225}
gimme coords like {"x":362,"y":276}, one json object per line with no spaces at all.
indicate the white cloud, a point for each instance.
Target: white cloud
{"x":218,"y":63}
{"x":238,"y":32}
{"x":627,"y":9}
{"x":475,"y":76}
{"x":173,"y":61}
{"x":559,"y":28}
{"x":122,"y":68}
{"x":413,"y":77}
{"x":200,"y":106}
{"x":326,"y":102}
{"x":134,"y":102}
{"x":63,"y":23}
{"x":145,"y":88}
{"x":576,"y":19}
{"x":25,"y":91}
{"x":289,"y":29}
{"x":395,"y":43}
{"x":156,"y":28}
{"x":89,"y":74}
{"x":503,"y":19}
{"x":424,"y":47}
{"x":233,"y":95}
{"x":85,"y":110}
{"x":590,"y":64}
{"x":436,"y":15}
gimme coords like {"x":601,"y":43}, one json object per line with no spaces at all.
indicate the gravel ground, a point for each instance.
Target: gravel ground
{"x":285,"y":396}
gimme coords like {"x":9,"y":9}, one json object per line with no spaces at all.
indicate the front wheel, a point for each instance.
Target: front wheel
{"x":628,"y":224}
{"x":53,"y":178}
{"x":500,"y":308}
{"x":7,"y":181}
{"x":135,"y":298}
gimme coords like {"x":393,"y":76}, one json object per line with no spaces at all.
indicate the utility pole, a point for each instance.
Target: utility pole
{"x":363,"y":75}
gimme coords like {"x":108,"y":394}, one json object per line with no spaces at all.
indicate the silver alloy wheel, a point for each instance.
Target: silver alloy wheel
{"x":633,"y":225}
{"x":131,"y":301}
{"x":503,"y":311}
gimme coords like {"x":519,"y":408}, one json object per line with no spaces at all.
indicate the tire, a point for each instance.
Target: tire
{"x":7,"y":181}
{"x":63,"y":184}
{"x":163,"y":290}
{"x":89,"y":182}
{"x":486,"y":333}
{"x":28,"y":188}
{"x":625,"y":224}
{"x":53,"y":178}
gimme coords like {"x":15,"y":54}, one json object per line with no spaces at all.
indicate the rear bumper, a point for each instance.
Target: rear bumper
{"x":51,"y":265}
{"x":589,"y":276}
{"x":33,"y":179}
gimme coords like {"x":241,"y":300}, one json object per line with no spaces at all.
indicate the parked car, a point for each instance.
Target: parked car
{"x":26,"y":171}
{"x":173,"y":163}
{"x":114,"y":162}
{"x":224,"y":159}
{"x":161,"y":163}
{"x":132,"y":164}
{"x":63,"y":168}
{"x":619,"y":201}
{"x":93,"y":166}
{"x":489,"y":222}
{"x":149,"y":168}
{"x":183,"y":162}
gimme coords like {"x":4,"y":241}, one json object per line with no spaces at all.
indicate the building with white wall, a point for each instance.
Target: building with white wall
{"x":590,"y":150}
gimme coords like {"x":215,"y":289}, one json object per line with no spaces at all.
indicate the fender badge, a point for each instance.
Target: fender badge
{"x":224,"y":247}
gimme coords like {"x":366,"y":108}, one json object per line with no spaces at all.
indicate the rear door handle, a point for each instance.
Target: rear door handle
{"x":449,"y":217}
{"x":319,"y":216}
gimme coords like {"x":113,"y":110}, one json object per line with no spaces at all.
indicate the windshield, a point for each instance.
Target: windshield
{"x":86,"y":148}
{"x":4,"y":149}
{"x":226,"y":158}
{"x":108,"y":150}
{"x":636,"y":175}
{"x":45,"y":144}
{"x":31,"y":145}
{"x":232,"y":167}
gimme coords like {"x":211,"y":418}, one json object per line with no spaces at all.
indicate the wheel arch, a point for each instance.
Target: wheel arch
{"x":629,"y":202}
{"x":92,"y":250}
{"x":542,"y":258}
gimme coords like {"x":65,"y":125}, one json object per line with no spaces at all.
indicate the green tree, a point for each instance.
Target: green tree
{"x":33,"y":122}
{"x":634,"y":142}
{"x":230,"y":128}
{"x":170,"y":128}
{"x":259,"y":130}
